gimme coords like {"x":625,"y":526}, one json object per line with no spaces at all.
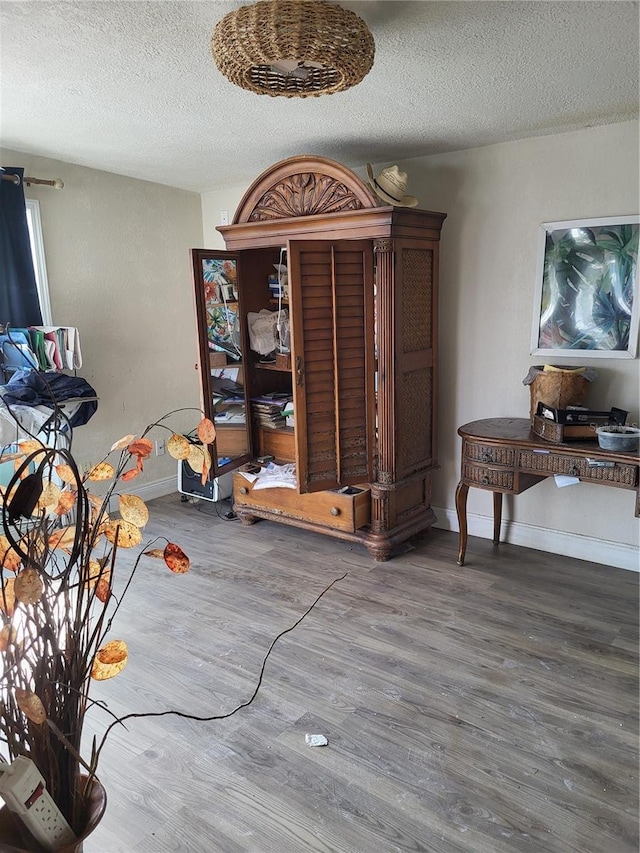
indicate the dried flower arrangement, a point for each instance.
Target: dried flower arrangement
{"x":58,"y":598}
{"x":58,"y":558}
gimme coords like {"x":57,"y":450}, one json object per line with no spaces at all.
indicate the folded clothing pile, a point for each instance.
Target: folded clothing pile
{"x":37,"y":388}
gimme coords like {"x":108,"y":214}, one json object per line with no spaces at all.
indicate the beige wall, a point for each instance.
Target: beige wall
{"x":117,"y":253}
{"x":212,"y":206}
{"x":118,"y":263}
{"x":496,"y":197}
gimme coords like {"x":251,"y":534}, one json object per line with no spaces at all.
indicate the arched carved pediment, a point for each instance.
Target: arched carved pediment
{"x":303,"y":186}
{"x":303,"y":195}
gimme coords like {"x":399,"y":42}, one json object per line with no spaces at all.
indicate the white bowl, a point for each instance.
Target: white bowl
{"x":621,"y":438}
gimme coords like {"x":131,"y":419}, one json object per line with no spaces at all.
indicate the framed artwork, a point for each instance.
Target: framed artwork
{"x":586,"y":296}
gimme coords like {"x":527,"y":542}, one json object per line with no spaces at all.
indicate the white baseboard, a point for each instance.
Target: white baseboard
{"x":148,"y":491}
{"x":157,"y":489}
{"x":528,"y":535}
{"x":555,"y":541}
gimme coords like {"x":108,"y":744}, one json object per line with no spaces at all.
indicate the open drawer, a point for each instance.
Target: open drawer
{"x":347,"y":510}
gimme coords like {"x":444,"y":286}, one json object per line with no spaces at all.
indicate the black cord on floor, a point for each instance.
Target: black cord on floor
{"x":203,"y":505}
{"x":247,"y":702}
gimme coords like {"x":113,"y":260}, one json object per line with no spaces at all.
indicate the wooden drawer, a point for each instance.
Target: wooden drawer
{"x":231,"y":440}
{"x":480,"y":475}
{"x":624,"y":475}
{"x":341,"y":511}
{"x":279,"y":443}
{"x":489,"y":454}
{"x":578,"y":466}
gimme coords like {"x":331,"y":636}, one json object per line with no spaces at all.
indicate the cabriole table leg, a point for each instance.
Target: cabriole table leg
{"x":462,"y":491}
{"x":497,"y":516}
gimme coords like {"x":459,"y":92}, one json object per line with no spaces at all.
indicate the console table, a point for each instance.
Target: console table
{"x":504,"y":456}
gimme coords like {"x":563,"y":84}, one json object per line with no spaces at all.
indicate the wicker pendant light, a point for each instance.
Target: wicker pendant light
{"x":294,"y":48}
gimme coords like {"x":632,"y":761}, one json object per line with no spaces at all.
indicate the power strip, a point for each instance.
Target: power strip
{"x":23,"y":790}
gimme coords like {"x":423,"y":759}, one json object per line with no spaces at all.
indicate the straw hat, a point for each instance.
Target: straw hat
{"x":390,"y":186}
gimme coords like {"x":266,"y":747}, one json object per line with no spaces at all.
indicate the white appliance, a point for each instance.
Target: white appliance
{"x":190,"y":483}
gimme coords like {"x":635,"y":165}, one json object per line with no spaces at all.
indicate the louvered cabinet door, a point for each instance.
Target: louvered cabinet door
{"x":331,"y":301}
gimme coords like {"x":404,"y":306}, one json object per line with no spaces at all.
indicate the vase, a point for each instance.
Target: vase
{"x":15,"y":838}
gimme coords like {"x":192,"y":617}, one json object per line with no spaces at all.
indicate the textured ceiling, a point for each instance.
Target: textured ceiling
{"x":130,"y":87}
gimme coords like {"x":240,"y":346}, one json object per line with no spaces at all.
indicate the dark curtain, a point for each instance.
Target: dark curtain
{"x":19,"y":304}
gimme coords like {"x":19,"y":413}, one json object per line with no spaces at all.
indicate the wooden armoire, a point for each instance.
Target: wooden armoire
{"x":361,"y":366}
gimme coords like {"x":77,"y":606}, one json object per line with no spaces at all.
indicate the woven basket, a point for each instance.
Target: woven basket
{"x":558,"y":389}
{"x":331,"y":46}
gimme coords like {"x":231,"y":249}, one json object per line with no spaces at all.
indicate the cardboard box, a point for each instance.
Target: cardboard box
{"x":217,"y":359}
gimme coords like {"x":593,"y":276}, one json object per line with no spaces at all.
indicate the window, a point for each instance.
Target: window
{"x":37,"y":252}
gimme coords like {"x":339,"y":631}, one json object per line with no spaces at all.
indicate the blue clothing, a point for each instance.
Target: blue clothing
{"x":37,"y":388}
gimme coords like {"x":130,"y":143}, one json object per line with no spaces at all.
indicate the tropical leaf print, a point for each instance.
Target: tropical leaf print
{"x":588,"y":287}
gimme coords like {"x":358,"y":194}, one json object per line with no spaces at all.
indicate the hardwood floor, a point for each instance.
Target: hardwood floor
{"x":491,"y":708}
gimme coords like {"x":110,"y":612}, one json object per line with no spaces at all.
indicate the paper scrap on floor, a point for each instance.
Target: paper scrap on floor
{"x":315,"y":740}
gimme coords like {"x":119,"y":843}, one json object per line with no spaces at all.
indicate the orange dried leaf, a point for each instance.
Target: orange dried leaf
{"x":50,"y":492}
{"x":31,"y":706}
{"x":67,"y":500}
{"x":63,"y":538}
{"x":130,"y":474}
{"x":127,"y":534}
{"x":49,"y":497}
{"x":103,"y":589}
{"x":30,"y":446}
{"x":206,"y":431}
{"x":103,"y":526}
{"x":9,"y":559}
{"x":134,"y":509}
{"x":123,"y":442}
{"x":206,"y":466}
{"x":92,"y":574}
{"x":102,"y":471}
{"x":178,"y":446}
{"x":8,"y":597}
{"x":65,"y":472}
{"x":95,"y":500}
{"x":28,"y":586}
{"x":110,"y":660}
{"x":8,"y":636}
{"x":140,"y":447}
{"x":176,"y":559}
{"x":155,"y":552}
{"x":196,"y":458}
{"x":113,"y":652}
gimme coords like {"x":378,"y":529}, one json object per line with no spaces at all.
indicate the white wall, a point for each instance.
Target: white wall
{"x":496,"y":197}
{"x":118,"y":263}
